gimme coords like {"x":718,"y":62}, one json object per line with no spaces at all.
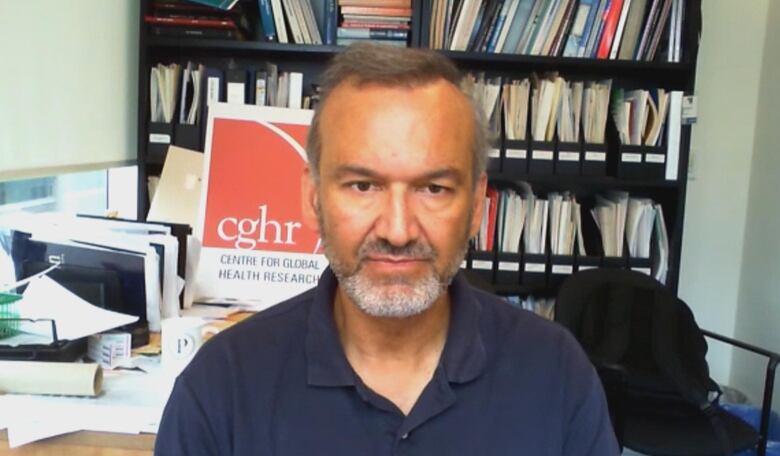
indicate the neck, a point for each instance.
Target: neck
{"x":413,"y":340}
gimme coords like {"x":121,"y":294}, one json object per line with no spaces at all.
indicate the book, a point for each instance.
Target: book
{"x":190,"y":22}
{"x":489,"y":16}
{"x":611,"y":19}
{"x":194,"y":32}
{"x":254,"y":160}
{"x":647,"y":29}
{"x":382,"y":3}
{"x":326,"y":15}
{"x":295,"y":90}
{"x":377,"y":11}
{"x":384,"y":41}
{"x":267,"y":20}
{"x":633,"y":29}
{"x":620,"y":27}
{"x":278,"y":14}
{"x":375,"y":33}
{"x":596,"y":28}
{"x":517,"y":26}
{"x":506,"y":28}
{"x":221,"y":4}
{"x":659,"y":29}
{"x":236,"y":86}
{"x":534,"y":17}
{"x":375,"y":25}
{"x":578,"y":28}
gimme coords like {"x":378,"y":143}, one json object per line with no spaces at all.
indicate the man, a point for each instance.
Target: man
{"x":393,"y":352}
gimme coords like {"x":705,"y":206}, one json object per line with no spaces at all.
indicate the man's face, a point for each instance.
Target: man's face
{"x":396,"y":201}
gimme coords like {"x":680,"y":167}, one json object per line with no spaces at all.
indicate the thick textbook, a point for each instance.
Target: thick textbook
{"x":255,"y":248}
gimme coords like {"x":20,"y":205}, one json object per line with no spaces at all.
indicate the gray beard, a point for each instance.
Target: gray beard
{"x":398,"y":296}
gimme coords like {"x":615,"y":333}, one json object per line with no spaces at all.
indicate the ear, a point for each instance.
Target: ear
{"x":479,"y":204}
{"x":309,"y":200}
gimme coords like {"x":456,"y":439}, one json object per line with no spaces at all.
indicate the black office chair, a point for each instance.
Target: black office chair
{"x":650,"y":355}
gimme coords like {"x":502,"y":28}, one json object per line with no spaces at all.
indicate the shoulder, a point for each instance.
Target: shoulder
{"x":510,"y":331}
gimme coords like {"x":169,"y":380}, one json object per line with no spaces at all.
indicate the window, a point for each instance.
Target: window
{"x":91,"y":192}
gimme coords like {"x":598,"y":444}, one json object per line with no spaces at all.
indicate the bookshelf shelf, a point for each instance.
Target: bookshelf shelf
{"x":311,"y":59}
{"x":242,"y":47}
{"x":605,"y":182}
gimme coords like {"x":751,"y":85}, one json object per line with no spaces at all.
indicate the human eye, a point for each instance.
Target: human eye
{"x":361,"y":186}
{"x":436,"y":189}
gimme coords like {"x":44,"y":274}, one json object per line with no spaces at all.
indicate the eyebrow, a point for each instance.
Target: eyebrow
{"x":354,"y":170}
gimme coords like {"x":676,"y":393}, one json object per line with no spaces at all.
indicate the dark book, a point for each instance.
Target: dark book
{"x":194,"y":32}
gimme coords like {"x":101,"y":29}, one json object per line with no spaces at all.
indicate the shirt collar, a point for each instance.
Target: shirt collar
{"x":464,"y":355}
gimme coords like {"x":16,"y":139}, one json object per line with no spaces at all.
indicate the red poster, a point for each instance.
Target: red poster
{"x":255,"y":248}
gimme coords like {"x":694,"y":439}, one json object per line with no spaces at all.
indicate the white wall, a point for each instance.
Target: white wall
{"x":758,"y":314}
{"x":68,"y":85}
{"x":727,"y":83}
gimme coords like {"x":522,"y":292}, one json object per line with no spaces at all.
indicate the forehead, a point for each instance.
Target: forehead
{"x":397,"y":130}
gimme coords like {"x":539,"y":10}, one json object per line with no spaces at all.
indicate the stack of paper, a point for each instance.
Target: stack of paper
{"x":639,"y":227}
{"x":570,"y":111}
{"x":512,"y":212}
{"x":610,"y":215}
{"x":143,"y":256}
{"x":190,"y":94}
{"x":515,"y":100}
{"x":639,"y":115}
{"x":484,"y":239}
{"x":661,"y":260}
{"x":565,"y":225}
{"x":163,"y":85}
{"x":535,"y":234}
{"x":546,"y":101}
{"x":595,"y":108}
{"x":486,"y":94}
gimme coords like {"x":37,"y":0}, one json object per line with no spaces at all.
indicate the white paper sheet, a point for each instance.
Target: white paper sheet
{"x":76,"y":318}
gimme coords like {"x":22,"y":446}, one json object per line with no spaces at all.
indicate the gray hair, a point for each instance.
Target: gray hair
{"x":366,"y":63}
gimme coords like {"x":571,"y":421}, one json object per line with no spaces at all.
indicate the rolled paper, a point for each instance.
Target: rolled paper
{"x":36,"y":377}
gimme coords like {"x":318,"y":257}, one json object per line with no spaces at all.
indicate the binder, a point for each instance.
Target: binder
{"x":594,"y":159}
{"x":534,"y":271}
{"x":641,"y":162}
{"x":508,"y":268}
{"x":567,"y":158}
{"x":585,"y":262}
{"x":542,"y":159}
{"x":483,"y":265}
{"x":236,"y":86}
{"x":188,"y":136}
{"x":643,"y":265}
{"x":494,"y":156}
{"x":561,"y":267}
{"x":514,"y":161}
{"x":161,"y":135}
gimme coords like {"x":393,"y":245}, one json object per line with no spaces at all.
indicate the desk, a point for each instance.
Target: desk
{"x":84,"y":443}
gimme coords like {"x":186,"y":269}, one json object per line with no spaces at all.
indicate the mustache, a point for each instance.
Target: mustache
{"x":414,"y":250}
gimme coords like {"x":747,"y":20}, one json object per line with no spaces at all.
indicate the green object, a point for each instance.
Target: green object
{"x":8,"y":309}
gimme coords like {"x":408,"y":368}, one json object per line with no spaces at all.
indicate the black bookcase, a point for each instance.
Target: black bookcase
{"x":311,"y":60}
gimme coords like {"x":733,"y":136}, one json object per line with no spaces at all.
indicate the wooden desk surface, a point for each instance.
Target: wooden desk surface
{"x":84,"y":443}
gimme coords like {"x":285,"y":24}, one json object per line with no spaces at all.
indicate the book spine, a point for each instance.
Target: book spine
{"x":496,"y":31}
{"x":372,"y":33}
{"x":376,"y":11}
{"x":331,"y":16}
{"x":620,"y":28}
{"x":217,"y":23}
{"x":374,"y":25}
{"x":610,"y":25}
{"x":267,"y":20}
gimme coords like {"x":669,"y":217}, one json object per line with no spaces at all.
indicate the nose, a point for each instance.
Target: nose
{"x":398,"y":223}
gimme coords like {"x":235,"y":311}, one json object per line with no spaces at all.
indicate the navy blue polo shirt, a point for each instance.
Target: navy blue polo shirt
{"x":279,"y":383}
